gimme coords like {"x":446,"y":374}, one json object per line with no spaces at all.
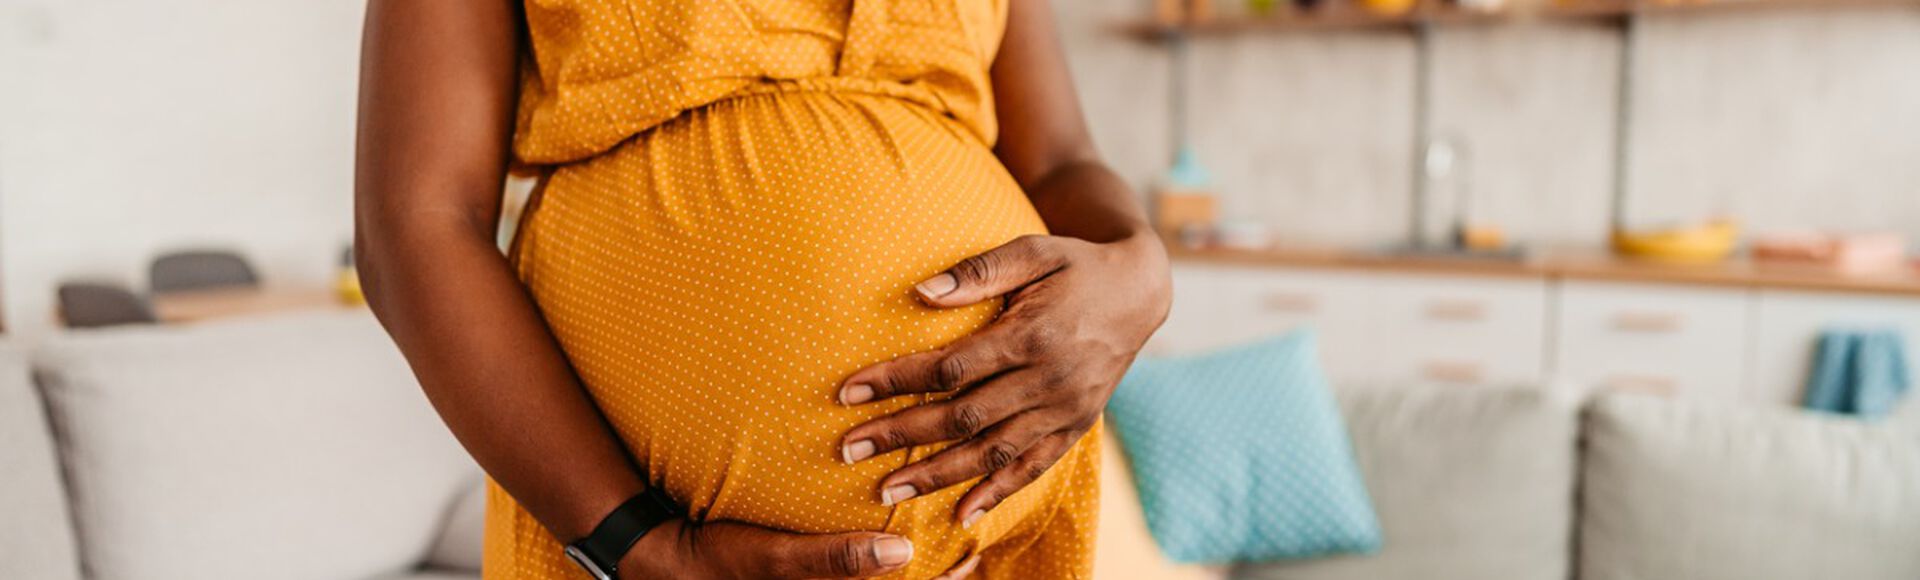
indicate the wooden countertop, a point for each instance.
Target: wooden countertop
{"x":1572,"y":265}
{"x":1346,"y":17}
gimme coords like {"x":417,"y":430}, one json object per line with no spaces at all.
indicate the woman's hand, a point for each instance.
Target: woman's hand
{"x":1032,"y":383}
{"x":680,"y":549}
{"x":726,"y":550}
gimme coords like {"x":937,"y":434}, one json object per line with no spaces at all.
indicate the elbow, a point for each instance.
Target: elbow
{"x":380,"y":249}
{"x":1064,"y":160}
{"x":370,"y":259}
{"x":397,"y":254}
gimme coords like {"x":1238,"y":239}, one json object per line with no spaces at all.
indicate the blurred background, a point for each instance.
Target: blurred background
{"x":1490,"y":212}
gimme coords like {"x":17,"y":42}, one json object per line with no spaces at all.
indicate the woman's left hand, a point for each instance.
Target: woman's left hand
{"x":1032,"y":383}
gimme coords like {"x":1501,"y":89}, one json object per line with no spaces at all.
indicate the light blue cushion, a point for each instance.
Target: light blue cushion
{"x":1241,"y":455}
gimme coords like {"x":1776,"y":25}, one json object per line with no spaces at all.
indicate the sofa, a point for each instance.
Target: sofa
{"x":299,"y":447}
{"x":291,"y":448}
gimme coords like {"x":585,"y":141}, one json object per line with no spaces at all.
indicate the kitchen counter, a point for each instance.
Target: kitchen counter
{"x":1573,"y":265}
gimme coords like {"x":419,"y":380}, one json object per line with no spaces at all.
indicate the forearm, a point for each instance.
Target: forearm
{"x":1044,"y":141}
{"x":436,"y":106}
{"x":493,"y":371}
{"x":1083,"y":198}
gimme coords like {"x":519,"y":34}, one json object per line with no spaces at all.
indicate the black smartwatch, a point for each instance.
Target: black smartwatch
{"x":600,"y":552}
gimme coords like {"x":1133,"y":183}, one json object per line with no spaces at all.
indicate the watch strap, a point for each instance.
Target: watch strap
{"x":621,"y":529}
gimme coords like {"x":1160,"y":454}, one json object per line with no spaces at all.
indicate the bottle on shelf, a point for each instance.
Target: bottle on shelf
{"x":1199,"y":10}
{"x":1170,"y":11}
{"x":1184,"y":205}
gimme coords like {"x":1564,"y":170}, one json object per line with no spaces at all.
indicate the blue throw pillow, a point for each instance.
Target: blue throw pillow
{"x":1242,"y":455}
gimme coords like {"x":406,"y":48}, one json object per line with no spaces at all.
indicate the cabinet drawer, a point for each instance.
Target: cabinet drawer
{"x":1460,"y":330}
{"x":1667,"y":340}
{"x":1790,"y":324}
{"x":1218,"y":306}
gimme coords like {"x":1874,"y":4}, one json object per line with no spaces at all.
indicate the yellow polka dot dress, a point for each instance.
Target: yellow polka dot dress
{"x":737,"y":198}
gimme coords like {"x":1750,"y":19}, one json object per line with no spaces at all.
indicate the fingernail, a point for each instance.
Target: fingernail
{"x":857,"y":451}
{"x":937,"y":286}
{"x":971,"y":518}
{"x":856,"y":394}
{"x":892,"y":551}
{"x":897,"y":494}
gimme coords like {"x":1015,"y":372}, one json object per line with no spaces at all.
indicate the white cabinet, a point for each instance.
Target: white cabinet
{"x":1790,"y":324}
{"x":1216,"y":307}
{"x":1458,"y":330}
{"x":1393,"y":327}
{"x":1688,"y":342}
{"x":1373,"y":328}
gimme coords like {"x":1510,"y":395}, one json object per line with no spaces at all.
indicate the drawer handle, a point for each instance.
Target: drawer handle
{"x":1457,"y":311}
{"x":1453,"y":372}
{"x":1292,"y":302}
{"x":1647,"y":322}
{"x":1648,"y":384}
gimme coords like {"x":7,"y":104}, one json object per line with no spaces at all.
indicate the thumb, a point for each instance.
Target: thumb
{"x":993,"y":273}
{"x":853,"y":555}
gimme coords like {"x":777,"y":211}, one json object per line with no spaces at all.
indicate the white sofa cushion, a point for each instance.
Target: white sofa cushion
{"x":1706,"y":492}
{"x":298,"y":448}
{"x":1469,"y":483}
{"x":37,"y":538}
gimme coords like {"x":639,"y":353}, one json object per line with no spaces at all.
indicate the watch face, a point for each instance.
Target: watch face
{"x":587,"y":563}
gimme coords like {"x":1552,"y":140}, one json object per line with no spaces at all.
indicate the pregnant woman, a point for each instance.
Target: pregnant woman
{"x":808,"y":288}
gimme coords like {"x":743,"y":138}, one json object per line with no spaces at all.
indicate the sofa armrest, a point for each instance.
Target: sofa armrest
{"x":37,"y":540}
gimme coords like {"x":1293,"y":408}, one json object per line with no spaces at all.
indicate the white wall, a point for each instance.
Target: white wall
{"x":1784,"y":117}
{"x":132,"y":127}
{"x":1781,"y":118}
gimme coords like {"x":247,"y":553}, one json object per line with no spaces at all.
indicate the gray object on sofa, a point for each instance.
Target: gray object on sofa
{"x":95,"y":305}
{"x":200,"y":270}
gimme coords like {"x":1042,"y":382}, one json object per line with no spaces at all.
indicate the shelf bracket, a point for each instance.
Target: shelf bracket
{"x":1623,"y":118}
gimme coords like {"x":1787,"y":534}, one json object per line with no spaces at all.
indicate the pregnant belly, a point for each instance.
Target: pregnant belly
{"x":713,"y":280}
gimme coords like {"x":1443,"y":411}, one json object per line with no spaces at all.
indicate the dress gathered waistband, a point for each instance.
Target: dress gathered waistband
{"x":912,"y":92}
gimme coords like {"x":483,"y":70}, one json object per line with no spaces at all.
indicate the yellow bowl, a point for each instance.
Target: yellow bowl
{"x":1389,"y":7}
{"x":346,"y":284}
{"x":1702,"y":244}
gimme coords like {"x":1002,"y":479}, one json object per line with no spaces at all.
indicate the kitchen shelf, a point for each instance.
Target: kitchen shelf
{"x":1571,"y":265}
{"x":1344,"y":16}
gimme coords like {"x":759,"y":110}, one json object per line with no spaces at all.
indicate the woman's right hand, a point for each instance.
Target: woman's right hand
{"x":727,"y":550}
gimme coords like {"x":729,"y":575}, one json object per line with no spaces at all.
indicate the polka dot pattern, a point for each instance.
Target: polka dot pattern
{"x":1242,"y":455}
{"x":737,"y":200}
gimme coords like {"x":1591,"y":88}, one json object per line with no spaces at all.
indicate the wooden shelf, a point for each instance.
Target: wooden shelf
{"x":202,"y":305}
{"x":1342,"y":15}
{"x":1572,"y":265}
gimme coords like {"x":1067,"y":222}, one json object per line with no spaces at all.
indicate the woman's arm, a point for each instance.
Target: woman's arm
{"x":1080,"y":302}
{"x":1044,"y":140}
{"x":437,"y":97}
{"x":436,"y":114}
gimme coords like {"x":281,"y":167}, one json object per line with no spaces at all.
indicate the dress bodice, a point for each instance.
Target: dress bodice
{"x":601,"y":71}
